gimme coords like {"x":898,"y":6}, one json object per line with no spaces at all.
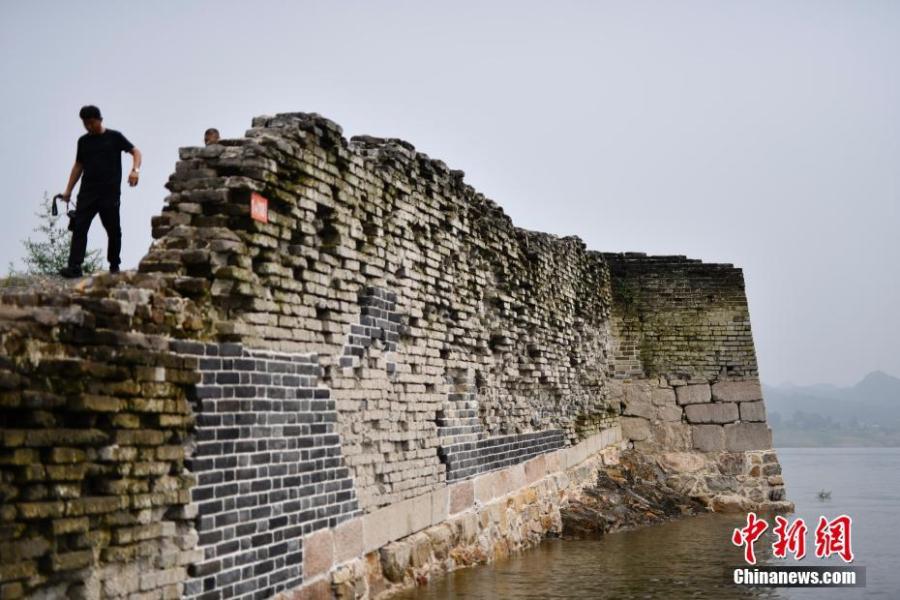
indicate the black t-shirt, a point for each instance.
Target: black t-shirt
{"x":101,"y":157}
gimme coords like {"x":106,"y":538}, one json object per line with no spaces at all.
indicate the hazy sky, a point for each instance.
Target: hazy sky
{"x":763,"y":134}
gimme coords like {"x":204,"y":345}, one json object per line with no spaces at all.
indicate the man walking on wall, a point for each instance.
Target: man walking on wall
{"x":98,"y":163}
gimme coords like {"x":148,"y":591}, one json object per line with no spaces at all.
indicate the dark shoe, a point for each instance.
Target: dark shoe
{"x":113,"y":268}
{"x":70,"y":273}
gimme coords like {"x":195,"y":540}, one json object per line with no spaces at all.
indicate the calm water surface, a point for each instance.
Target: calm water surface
{"x":689,"y":558}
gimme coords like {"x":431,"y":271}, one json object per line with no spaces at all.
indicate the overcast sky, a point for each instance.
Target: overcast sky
{"x":763,"y":134}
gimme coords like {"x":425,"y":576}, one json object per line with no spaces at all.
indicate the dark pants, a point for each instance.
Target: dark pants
{"x":106,"y":204}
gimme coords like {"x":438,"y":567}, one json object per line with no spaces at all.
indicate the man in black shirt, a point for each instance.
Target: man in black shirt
{"x":99,"y":165}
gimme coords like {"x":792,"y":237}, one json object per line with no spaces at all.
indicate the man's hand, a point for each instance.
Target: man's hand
{"x":73,"y":179}
{"x":135,"y":168}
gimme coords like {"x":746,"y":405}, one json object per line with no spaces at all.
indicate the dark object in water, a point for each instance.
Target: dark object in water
{"x":824,"y":495}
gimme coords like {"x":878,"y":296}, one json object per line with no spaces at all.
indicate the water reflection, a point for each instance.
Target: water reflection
{"x":672,"y":560}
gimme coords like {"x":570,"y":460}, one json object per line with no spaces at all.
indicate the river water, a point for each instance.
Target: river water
{"x":691,"y":558}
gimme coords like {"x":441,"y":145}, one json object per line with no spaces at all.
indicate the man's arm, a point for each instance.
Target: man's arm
{"x":74,"y":176}
{"x":135,"y":167}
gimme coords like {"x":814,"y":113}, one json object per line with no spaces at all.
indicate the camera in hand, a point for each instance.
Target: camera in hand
{"x":70,"y":212}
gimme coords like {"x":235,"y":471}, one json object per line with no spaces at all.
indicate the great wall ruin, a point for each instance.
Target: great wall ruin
{"x":375,"y":379}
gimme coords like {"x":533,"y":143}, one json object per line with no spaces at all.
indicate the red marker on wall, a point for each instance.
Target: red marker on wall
{"x":259,"y":207}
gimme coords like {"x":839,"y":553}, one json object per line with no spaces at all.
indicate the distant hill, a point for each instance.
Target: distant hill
{"x":866,"y":414}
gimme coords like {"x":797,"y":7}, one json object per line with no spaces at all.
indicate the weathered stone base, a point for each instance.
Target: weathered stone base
{"x":709,"y":436}
{"x":498,"y":514}
{"x":729,"y":481}
{"x":486,"y":518}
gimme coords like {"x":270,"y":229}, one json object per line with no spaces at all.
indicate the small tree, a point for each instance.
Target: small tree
{"x":50,"y":252}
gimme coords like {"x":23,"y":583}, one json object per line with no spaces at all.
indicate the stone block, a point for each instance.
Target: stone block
{"x":395,"y":558}
{"x":65,"y":455}
{"x":487,"y":487}
{"x":717,"y":412}
{"x":535,"y":469}
{"x":87,"y":402}
{"x":71,"y":560}
{"x":420,"y":549}
{"x":662,"y":396}
{"x":575,"y":455}
{"x":73,"y":525}
{"x":747,"y":436}
{"x":514,"y":478}
{"x":25,"y":548}
{"x":682,"y":462}
{"x":441,"y":538}
{"x":670,"y":412}
{"x":635,"y":428}
{"x":467,"y":528}
{"x":753,"y":411}
{"x":731,"y":503}
{"x":671,"y":436}
{"x":440,"y":503}
{"x":693,"y":394}
{"x":318,"y":553}
{"x":17,"y":570}
{"x":615,"y":389}
{"x":418,"y":512}
{"x":554,"y":461}
{"x":41,"y":510}
{"x":737,"y":391}
{"x":732,"y":463}
{"x":462,"y":496}
{"x":708,"y":438}
{"x":638,"y":404}
{"x":385,"y":525}
{"x":348,"y":540}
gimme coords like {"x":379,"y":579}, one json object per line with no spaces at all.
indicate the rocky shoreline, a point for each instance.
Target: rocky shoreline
{"x":632,"y":494}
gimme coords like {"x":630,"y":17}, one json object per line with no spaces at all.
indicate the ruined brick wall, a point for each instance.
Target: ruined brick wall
{"x":684,"y":373}
{"x":435,"y":320}
{"x":94,"y":494}
{"x":385,"y":349}
{"x":679,"y":317}
{"x":445,"y":343}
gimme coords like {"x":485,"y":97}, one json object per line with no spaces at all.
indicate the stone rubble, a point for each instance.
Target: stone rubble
{"x":633,"y":493}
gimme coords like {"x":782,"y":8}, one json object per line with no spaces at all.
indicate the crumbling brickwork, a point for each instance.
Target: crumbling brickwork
{"x":379,"y":331}
{"x":95,"y":417}
{"x":523,"y":314}
{"x":678,"y":317}
{"x":685,"y":376}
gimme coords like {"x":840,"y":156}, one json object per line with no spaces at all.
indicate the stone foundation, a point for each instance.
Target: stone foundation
{"x":475,"y":522}
{"x":709,"y":437}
